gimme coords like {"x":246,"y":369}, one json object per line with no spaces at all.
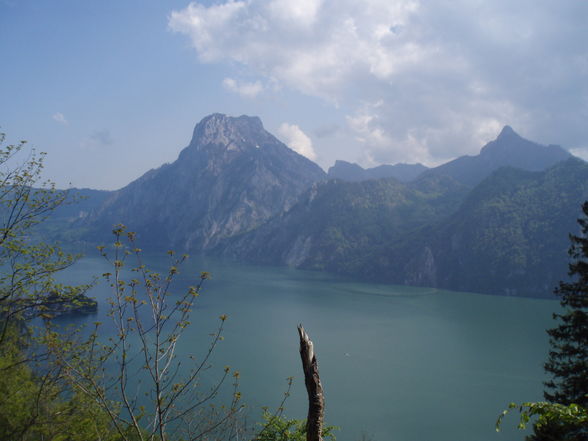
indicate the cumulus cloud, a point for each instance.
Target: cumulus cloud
{"x":243,"y":88}
{"x":60,"y":118}
{"x":448,"y":74}
{"x":297,"y":140}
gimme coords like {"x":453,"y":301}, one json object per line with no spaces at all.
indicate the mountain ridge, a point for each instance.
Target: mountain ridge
{"x":236,"y":191}
{"x":351,"y":172}
{"x":508,"y":149}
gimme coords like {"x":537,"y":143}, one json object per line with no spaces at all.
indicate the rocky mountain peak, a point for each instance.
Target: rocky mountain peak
{"x":510,"y":146}
{"x":228,"y":133}
{"x":507,"y":132}
{"x":232,"y":177}
{"x":509,"y":149}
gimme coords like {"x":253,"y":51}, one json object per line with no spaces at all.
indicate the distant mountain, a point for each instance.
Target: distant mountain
{"x":347,"y":171}
{"x":79,"y":204}
{"x":508,"y":150}
{"x":497,"y":222}
{"x":507,"y":236}
{"x":232,"y":178}
{"x":510,"y":236}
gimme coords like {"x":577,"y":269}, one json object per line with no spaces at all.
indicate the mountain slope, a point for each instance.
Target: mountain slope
{"x":510,"y":236}
{"x":336,"y":223}
{"x":232,"y":177}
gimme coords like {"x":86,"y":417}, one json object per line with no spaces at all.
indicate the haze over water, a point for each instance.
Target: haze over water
{"x":397,"y":363}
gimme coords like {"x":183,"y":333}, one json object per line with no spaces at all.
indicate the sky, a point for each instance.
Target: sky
{"x":112,"y":88}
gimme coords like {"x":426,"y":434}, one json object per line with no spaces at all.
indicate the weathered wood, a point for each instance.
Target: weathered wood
{"x":316,"y":399}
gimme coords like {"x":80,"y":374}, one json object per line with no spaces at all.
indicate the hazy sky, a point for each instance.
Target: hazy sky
{"x":112,"y":88}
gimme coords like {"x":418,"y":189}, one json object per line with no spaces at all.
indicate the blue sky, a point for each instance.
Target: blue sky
{"x":110,"y":89}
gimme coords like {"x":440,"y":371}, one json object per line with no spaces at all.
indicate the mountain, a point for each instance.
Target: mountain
{"x":496,"y":222}
{"x":507,"y":150}
{"x":232,"y":177}
{"x":470,"y":225}
{"x":509,"y":236}
{"x":336,"y":223}
{"x":347,"y":171}
{"x":79,"y":203}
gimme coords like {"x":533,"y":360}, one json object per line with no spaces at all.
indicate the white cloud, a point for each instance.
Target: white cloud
{"x":243,"y":88}
{"x":297,"y":140}
{"x":379,"y":144}
{"x":448,"y":72}
{"x":60,"y":118}
{"x":580,"y":152}
{"x":302,"y":13}
{"x":314,"y":46}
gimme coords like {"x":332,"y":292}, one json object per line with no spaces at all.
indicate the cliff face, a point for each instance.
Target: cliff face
{"x":232,"y":177}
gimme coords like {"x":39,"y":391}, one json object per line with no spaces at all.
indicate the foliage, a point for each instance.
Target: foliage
{"x":554,"y":421}
{"x":27,"y":286}
{"x":149,"y":320}
{"x":568,"y":359}
{"x":280,"y":428}
{"x":37,"y":403}
{"x":564,"y":417}
{"x":58,"y":385}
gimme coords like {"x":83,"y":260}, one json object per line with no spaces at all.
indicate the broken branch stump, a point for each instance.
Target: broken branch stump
{"x":316,"y":399}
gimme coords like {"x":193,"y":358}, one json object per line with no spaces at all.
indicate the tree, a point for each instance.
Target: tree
{"x":280,"y":428}
{"x":149,"y":322}
{"x":57,"y":385}
{"x":35,"y":402}
{"x":568,"y":358}
{"x":27,"y":286}
{"x":564,"y":416}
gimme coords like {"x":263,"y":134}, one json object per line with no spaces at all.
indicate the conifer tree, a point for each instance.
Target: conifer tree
{"x":568,"y":358}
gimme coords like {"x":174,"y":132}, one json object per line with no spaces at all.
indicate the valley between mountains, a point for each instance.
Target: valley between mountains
{"x":495,"y":223}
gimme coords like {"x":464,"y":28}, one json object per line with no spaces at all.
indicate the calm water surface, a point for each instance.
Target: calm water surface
{"x":397,"y":363}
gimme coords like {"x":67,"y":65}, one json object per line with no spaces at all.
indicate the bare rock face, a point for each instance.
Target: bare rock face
{"x":232,"y":177}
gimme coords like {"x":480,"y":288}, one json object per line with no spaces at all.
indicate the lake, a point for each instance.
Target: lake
{"x":397,"y":363}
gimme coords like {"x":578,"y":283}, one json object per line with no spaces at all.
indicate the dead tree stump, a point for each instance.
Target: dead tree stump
{"x":316,"y":399}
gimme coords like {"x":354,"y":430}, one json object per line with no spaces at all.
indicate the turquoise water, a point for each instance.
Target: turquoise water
{"x":397,"y":363}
